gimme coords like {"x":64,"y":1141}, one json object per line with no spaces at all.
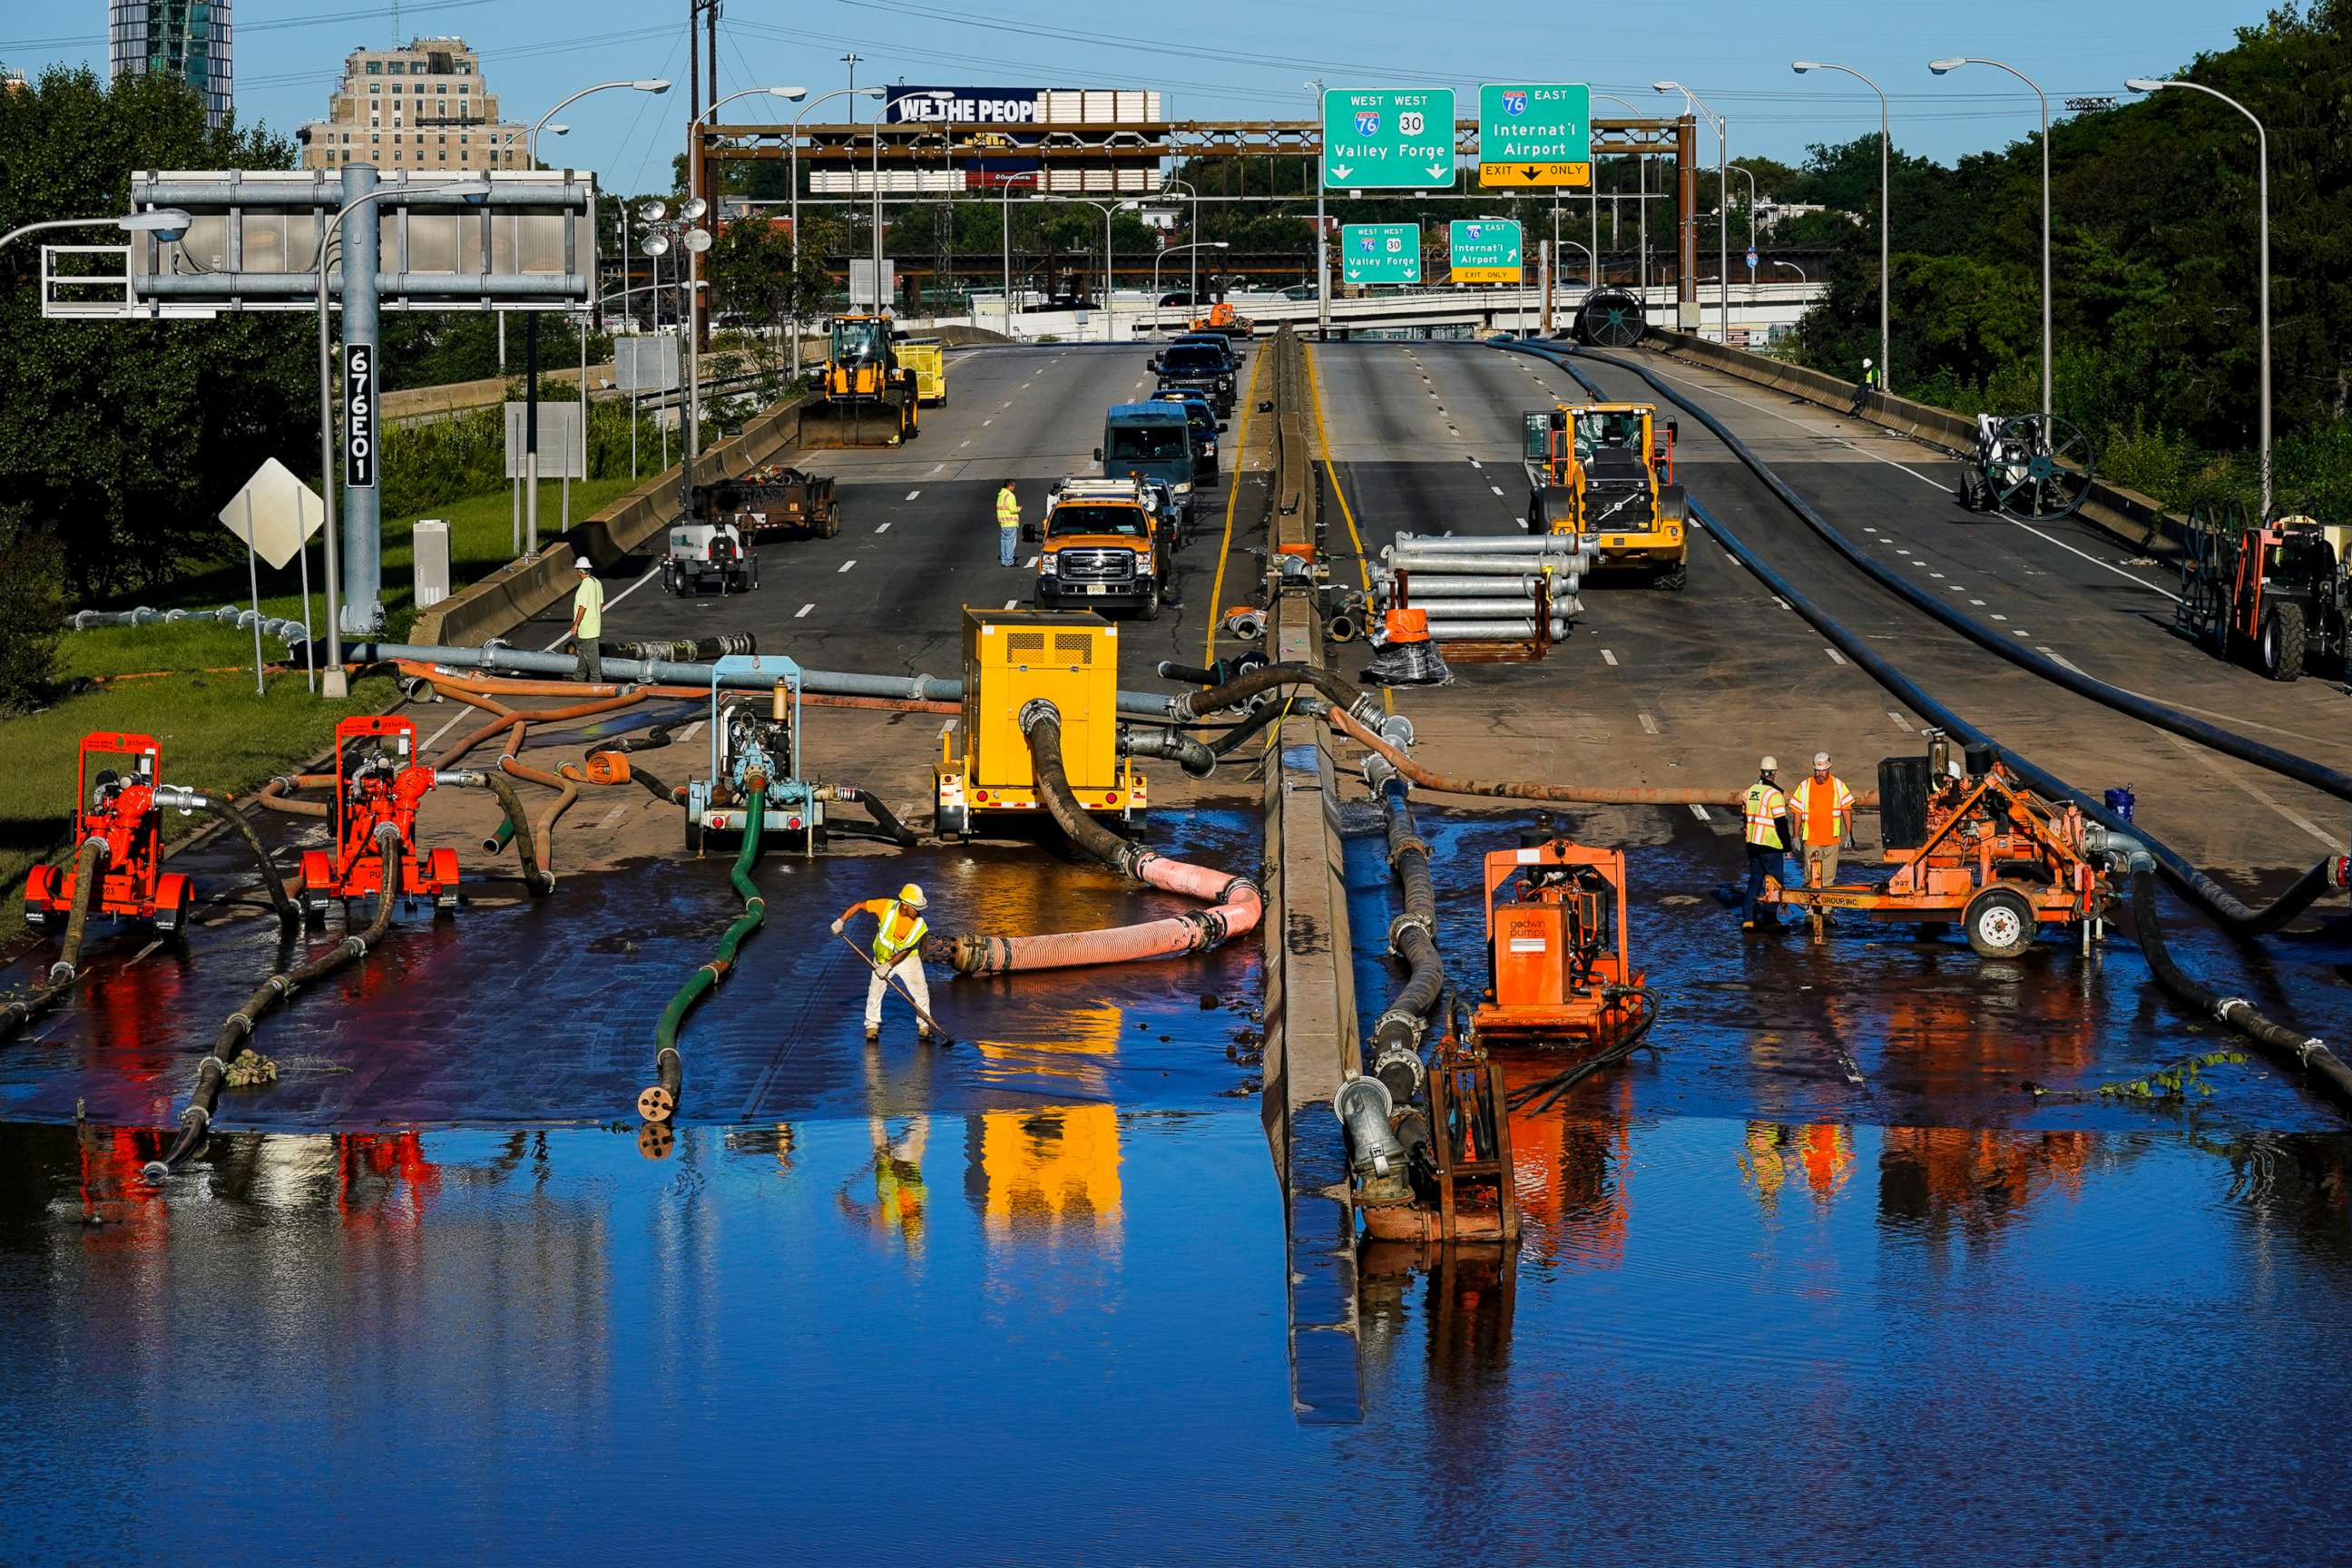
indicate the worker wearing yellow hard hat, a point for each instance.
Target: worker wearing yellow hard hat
{"x":899,"y":934}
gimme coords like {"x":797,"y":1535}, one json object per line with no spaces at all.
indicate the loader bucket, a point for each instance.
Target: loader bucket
{"x":833,"y":422}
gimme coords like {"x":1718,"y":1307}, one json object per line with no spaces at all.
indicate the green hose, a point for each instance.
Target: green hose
{"x":659,"y":1100}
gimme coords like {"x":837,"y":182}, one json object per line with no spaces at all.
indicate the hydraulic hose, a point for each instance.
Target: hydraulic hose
{"x":63,"y":971}
{"x":1235,"y":904}
{"x":537,"y":877}
{"x":1194,"y":756}
{"x":1395,"y":1056}
{"x":659,"y":1100}
{"x":2229,"y":744}
{"x":237,"y":1030}
{"x":886,"y":821}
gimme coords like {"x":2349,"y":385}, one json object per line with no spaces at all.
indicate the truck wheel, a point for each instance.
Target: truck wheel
{"x":1674,"y":579}
{"x":2000,"y":922}
{"x":2281,"y":644}
{"x":832,"y":525}
{"x":1150,"y":608}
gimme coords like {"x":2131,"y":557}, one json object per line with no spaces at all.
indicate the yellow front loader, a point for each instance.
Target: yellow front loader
{"x":866,"y":397}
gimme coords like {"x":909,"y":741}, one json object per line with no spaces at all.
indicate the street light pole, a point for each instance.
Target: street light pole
{"x":2262,"y":174}
{"x":1941,"y":67}
{"x":1885,"y":141}
{"x":795,"y":164}
{"x":1749,"y":176}
{"x":1322,"y":256}
{"x":1195,"y":286}
{"x":1196,"y":246}
{"x":1641,"y":162}
{"x":1005,"y":202}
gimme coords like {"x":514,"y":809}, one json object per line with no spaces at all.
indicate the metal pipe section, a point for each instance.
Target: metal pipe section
{"x":664,"y":672}
{"x":291,"y":633}
{"x":237,"y":1029}
{"x":1485,"y":630}
{"x":1427,"y":591}
{"x":87,"y":860}
{"x":1472,"y":565}
{"x":288,"y":196}
{"x":1236,"y":905}
{"x":1485,"y":545}
{"x":214,"y":286}
{"x":659,"y":1100}
{"x":1194,"y":756}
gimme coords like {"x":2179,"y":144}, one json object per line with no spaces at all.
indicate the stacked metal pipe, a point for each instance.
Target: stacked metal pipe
{"x":1480,"y":588}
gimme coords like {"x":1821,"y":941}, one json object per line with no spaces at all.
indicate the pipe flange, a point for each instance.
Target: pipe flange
{"x":1412,"y":1023}
{"x":1396,"y":729}
{"x":2221,"y":1007}
{"x":196,"y":1115}
{"x":1035,"y":711}
{"x":1180,"y":707}
{"x":1378,"y":771}
{"x":214,"y":1061}
{"x":1413,"y":843}
{"x":1226,"y":894}
{"x":1409,"y":922}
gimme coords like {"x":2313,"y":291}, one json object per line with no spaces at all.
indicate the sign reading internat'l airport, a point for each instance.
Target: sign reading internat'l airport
{"x":1535,"y":137}
{"x":1486,"y":250}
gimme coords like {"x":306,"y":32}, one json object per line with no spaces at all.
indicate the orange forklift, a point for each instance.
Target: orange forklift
{"x":1559,"y":971}
{"x":1970,"y":843}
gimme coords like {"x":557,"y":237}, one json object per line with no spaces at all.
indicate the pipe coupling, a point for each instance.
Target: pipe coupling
{"x":1035,"y":711}
{"x":1378,"y":771}
{"x":1412,"y":843}
{"x":1407,"y":922}
{"x":1396,"y":729}
{"x":60,"y":973}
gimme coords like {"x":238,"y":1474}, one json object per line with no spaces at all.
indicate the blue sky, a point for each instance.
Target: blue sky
{"x":1229,"y":59}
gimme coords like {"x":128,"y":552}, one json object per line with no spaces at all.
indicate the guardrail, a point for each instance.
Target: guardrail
{"x":1297,"y":527}
{"x":512,"y":595}
{"x":2134,"y":518}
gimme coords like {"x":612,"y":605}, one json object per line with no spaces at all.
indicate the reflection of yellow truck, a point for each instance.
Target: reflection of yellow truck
{"x":928,"y":360}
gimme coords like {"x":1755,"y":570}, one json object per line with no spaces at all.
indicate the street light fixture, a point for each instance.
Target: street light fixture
{"x":333,"y":684}
{"x":1193,"y":190}
{"x":1322,"y":253}
{"x":1196,"y":246}
{"x":2263,"y":172}
{"x":1801,"y":278}
{"x":1943,"y":67}
{"x":1004,"y":203}
{"x":167,"y":224}
{"x":1723,"y":202}
{"x":642,"y":84}
{"x":1885,"y":141}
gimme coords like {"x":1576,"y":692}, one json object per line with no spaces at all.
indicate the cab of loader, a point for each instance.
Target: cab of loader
{"x":1599,"y":468}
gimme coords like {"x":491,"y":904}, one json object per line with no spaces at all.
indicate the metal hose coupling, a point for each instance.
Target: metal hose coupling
{"x":1035,"y":711}
{"x":1379,"y":772}
{"x":2121,"y":850}
{"x":1374,"y":1156}
{"x":1407,"y":922}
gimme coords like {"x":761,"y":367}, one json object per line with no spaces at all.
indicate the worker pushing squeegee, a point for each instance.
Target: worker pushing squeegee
{"x":897,"y":958}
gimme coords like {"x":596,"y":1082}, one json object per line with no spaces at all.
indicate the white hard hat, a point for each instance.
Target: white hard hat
{"x":580,"y":563}
{"x":1769,"y":765}
{"x":1821,"y":759}
{"x":1865,"y":361}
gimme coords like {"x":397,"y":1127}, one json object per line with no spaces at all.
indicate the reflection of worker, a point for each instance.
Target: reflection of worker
{"x":1766,"y":814}
{"x":1823,"y":809}
{"x":897,"y":953}
{"x":588,"y":621}
{"x":1008,"y":523}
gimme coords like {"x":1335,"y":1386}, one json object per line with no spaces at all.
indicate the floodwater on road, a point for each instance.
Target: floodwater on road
{"x":1024,"y":1299}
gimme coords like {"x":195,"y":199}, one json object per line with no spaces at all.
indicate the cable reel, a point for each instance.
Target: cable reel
{"x":2040,"y":468}
{"x":1610,"y":318}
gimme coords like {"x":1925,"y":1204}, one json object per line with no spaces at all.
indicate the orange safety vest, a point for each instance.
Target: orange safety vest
{"x":1765,"y":802}
{"x":1824,"y":810}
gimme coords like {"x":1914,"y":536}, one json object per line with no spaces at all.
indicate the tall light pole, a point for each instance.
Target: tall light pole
{"x":1035,"y":176}
{"x":1885,"y":141}
{"x":1751,"y":177}
{"x":1723,"y":201}
{"x":333,"y":684}
{"x":795,"y":163}
{"x":1196,"y":246}
{"x":1940,"y":68}
{"x":2263,"y":172}
{"x":693,"y":210}
{"x":1195,"y":192}
{"x":932,"y":96}
{"x":1322,"y":258}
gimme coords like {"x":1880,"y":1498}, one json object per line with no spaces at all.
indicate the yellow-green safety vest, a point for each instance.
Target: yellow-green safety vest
{"x":899,"y":929}
{"x":1765,"y":802}
{"x":1008,"y":510}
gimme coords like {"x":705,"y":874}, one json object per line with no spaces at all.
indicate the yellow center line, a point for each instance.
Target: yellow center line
{"x":1323,"y":440}
{"x":1232,"y":498}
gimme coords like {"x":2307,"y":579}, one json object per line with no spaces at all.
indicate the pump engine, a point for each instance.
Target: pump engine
{"x":749,"y":738}
{"x":126,"y":810}
{"x":377,"y":781}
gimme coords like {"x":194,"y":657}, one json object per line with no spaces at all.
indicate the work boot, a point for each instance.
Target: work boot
{"x":1747,"y":925}
{"x":873,"y":1031}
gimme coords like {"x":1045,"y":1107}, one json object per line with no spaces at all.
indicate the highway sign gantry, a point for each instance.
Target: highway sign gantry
{"x":1388,"y":139}
{"x":1380,"y":252}
{"x":1486,"y":250}
{"x":1535,"y":137}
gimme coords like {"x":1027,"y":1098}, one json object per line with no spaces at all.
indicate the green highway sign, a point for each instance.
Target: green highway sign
{"x":1535,"y":137}
{"x":1380,"y":252}
{"x":1486,"y":250}
{"x":1381,"y":139}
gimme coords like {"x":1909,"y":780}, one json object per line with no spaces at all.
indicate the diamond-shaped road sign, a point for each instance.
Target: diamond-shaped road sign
{"x":1486,"y":250}
{"x":275,"y":513}
{"x":1380,"y":252}
{"x":1535,"y":137}
{"x":1381,"y":139}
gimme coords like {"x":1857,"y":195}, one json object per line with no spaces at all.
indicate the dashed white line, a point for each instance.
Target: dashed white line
{"x":912,"y":494}
{"x":1835,"y":656}
{"x":2001,"y":617}
{"x":1648,"y":723}
{"x":1496,"y":489}
{"x":1779,"y":601}
{"x":847,"y":565}
{"x":614,"y":814}
{"x":1900,"y":722}
{"x":1477,"y":464}
{"x":2018,"y":632}
{"x":686,"y":734}
{"x":1979,"y":603}
{"x":965,"y":442}
{"x":434,"y":739}
{"x":1608,"y":657}
{"x":990,"y":421}
{"x":1011,"y":603}
{"x":1031,"y":563}
{"x":1700,"y":812}
{"x":804,"y":610}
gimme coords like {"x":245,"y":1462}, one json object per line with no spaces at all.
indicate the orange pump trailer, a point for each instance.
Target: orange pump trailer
{"x":1557,"y":965}
{"x":133,"y":883}
{"x":1995,"y":856}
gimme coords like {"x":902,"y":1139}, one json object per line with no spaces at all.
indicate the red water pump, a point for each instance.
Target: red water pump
{"x":117,"y":803}
{"x":377,"y":781}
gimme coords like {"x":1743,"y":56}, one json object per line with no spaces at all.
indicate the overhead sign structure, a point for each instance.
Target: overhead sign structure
{"x":359,"y":416}
{"x":1382,"y":138}
{"x":562,"y":443}
{"x":1380,"y":252}
{"x":1486,"y":250}
{"x":1535,"y":137}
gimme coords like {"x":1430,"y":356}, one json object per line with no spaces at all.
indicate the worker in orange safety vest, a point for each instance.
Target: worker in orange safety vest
{"x":899,"y":934}
{"x":1823,"y":809}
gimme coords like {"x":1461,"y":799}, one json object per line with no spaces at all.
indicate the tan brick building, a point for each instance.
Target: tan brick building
{"x":424,"y":107}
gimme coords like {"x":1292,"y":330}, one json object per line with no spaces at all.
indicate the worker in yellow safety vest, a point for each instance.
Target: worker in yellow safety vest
{"x":1764,"y":823}
{"x":1008,"y":523}
{"x":898,"y":935}
{"x":1823,"y":808}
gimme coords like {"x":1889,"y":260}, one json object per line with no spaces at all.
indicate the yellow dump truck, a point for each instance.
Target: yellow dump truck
{"x":928,"y":360}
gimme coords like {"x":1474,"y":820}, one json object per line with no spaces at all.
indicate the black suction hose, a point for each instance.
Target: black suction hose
{"x":62,"y":973}
{"x":237,"y":1029}
{"x":222,"y":807}
{"x":1274,"y":678}
{"x":2284,"y":763}
{"x":1395,"y":1056}
{"x":886,"y":821}
{"x":536,"y":875}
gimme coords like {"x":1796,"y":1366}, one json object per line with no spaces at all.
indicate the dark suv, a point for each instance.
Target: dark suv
{"x":1198,"y":365}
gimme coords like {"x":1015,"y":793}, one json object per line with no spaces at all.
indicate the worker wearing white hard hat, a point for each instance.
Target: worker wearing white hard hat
{"x":897,"y":953}
{"x":1822,"y":809}
{"x":1765,"y":827}
{"x":588,"y":620}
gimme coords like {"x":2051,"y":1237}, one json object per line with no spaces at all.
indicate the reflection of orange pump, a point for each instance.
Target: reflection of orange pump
{"x":1557,"y":961}
{"x":123,"y":811}
{"x":376,"y":782}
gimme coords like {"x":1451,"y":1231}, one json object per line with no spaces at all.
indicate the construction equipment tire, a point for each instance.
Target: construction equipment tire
{"x":1674,"y":579}
{"x":2281,"y":651}
{"x":1150,"y":609}
{"x":2000,"y":922}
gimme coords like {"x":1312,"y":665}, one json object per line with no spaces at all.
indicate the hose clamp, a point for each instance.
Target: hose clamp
{"x":1378,"y":771}
{"x":1409,"y":922}
{"x":1412,"y":1026}
{"x":1180,"y":707}
{"x":1239,"y":885}
{"x":196,"y":1115}
{"x":1413,"y":843}
{"x":2221,"y":1008}
{"x":214,"y":1061}
{"x":2309,"y":1048}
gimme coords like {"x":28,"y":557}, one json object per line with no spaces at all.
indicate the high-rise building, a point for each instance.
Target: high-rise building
{"x":424,"y":107}
{"x":186,"y":38}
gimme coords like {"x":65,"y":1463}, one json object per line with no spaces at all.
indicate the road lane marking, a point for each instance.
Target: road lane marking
{"x":911,"y":495}
{"x":434,"y":739}
{"x":965,"y":442}
{"x":1339,"y":494}
{"x":2257,"y":792}
{"x":1900,"y":722}
{"x":881,"y":528}
{"x":1031,"y":563}
{"x":1835,"y":656}
{"x":1978,"y":602}
{"x":1779,"y":601}
{"x":1232,"y":498}
{"x":1648,"y":723}
{"x":1011,"y":604}
{"x":1700,"y":812}
{"x":1496,"y":489}
{"x":614,"y":814}
{"x":1608,"y":657}
{"x":983,"y":422}
{"x":846,"y":565}
{"x":804,"y":610}
{"x":686,"y":734}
